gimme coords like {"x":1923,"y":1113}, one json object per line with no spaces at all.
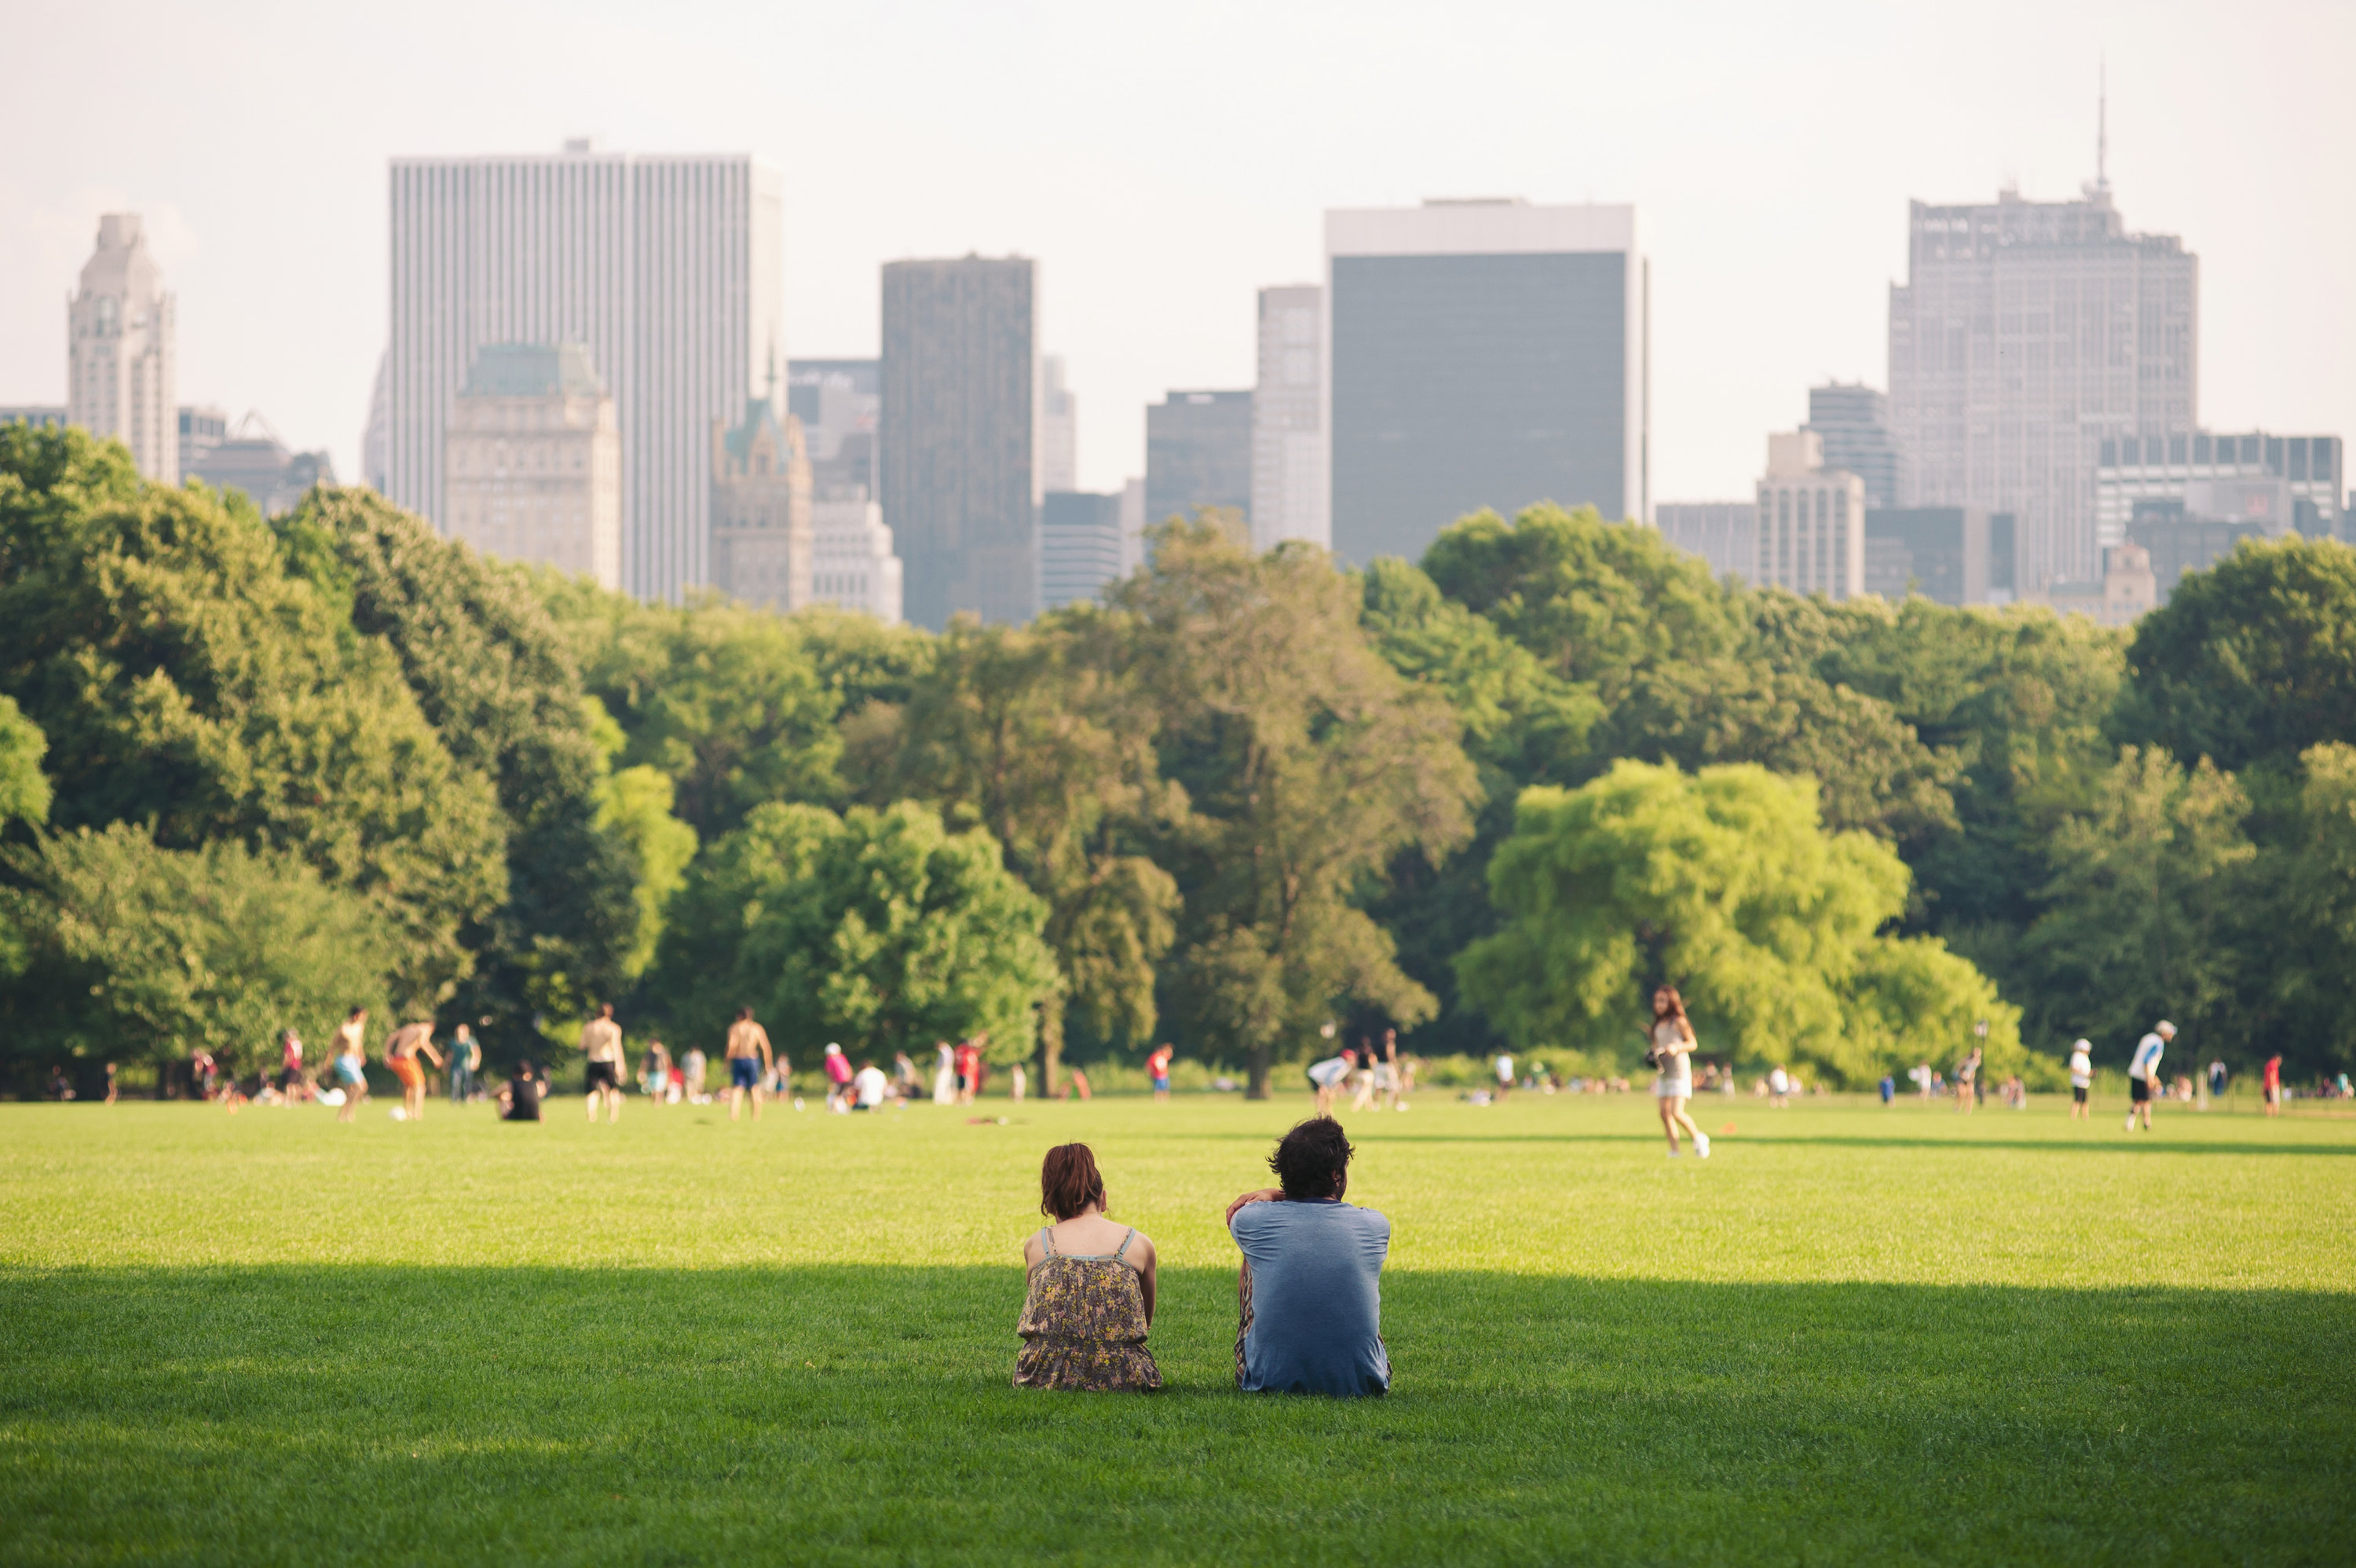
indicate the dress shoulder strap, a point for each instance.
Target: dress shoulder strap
{"x":1124,"y":1244}
{"x":1047,"y":1239}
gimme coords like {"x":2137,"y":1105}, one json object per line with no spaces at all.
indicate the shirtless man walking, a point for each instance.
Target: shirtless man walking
{"x":748,"y":1062}
{"x":351,"y":1074}
{"x":401,"y":1048}
{"x":601,"y":1049}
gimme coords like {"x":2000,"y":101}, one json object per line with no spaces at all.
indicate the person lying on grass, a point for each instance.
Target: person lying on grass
{"x":1308,"y":1295}
{"x":1091,"y":1294}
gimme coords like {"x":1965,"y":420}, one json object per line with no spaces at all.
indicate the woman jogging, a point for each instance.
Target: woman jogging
{"x":1673,"y":1043}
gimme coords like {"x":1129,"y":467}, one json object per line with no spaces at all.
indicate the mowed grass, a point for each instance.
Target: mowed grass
{"x":1855,"y":1334}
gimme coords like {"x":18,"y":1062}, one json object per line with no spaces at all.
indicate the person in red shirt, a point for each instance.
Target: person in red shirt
{"x":1158,"y":1065}
{"x":969,"y":1069}
{"x":837,"y":1078}
{"x":2274,"y":1086}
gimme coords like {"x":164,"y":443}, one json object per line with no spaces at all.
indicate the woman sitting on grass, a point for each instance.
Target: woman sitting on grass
{"x":1091,"y":1297}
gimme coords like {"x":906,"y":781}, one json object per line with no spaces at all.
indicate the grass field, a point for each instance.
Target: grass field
{"x":1853,"y":1335}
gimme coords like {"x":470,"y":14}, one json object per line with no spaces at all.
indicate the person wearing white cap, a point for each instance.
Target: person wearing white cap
{"x":2081,"y":1078}
{"x":2143,"y":1073}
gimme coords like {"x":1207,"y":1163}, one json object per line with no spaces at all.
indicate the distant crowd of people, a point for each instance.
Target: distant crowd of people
{"x":1374,"y":1077}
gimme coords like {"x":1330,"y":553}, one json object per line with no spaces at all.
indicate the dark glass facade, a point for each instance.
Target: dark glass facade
{"x":1468,"y":381}
{"x":1198,"y":452}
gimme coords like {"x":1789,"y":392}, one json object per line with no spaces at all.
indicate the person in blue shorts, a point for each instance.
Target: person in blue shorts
{"x":1158,"y":1065}
{"x":748,"y":1062}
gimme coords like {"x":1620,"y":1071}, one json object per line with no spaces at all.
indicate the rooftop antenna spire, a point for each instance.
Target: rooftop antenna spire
{"x":2102,"y":124}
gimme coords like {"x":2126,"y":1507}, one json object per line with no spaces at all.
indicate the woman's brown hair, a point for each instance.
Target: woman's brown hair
{"x":1070,"y":1181}
{"x":1676,"y":1008}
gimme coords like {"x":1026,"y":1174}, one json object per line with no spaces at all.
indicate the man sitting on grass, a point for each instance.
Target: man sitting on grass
{"x":1310,"y":1292}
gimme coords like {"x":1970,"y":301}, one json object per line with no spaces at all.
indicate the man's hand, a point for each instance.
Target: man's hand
{"x":1264,"y":1195}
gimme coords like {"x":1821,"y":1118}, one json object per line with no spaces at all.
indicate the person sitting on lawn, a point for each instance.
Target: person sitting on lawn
{"x":519,"y":1096}
{"x":1091,"y":1296}
{"x":1308,"y":1295}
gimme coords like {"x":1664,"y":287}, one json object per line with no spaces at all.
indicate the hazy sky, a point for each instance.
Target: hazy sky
{"x":1163,"y":162}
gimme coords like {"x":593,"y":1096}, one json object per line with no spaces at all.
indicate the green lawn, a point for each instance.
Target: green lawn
{"x":1853,"y":1335}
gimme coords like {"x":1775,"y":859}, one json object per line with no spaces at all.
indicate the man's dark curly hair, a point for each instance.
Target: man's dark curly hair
{"x":1309,"y":1159}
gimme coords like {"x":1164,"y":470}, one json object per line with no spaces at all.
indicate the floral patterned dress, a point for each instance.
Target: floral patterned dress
{"x":1083,"y":1323}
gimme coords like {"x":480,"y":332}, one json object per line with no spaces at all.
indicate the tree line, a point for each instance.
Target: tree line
{"x":256,"y":772}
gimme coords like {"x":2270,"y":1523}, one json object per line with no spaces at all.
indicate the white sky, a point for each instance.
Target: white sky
{"x":1165,"y":161}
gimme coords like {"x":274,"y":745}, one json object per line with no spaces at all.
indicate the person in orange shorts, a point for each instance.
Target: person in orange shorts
{"x":400,"y":1050}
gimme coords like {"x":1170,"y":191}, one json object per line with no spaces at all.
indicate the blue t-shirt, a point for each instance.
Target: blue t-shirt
{"x":1317,"y":1297}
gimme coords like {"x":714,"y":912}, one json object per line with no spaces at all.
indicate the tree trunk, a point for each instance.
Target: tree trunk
{"x":1258,"y":1090}
{"x":1051,"y":1044}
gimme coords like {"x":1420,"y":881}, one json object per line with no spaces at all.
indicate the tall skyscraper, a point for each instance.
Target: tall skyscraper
{"x":1059,"y":430}
{"x":668,"y":269}
{"x":1198,"y":452}
{"x":1853,"y":424}
{"x":1080,"y":547}
{"x":2027,"y":334}
{"x":1289,"y":491}
{"x":761,"y":524}
{"x":959,"y":430}
{"x":1483,"y":353}
{"x":1811,"y":521}
{"x":120,"y":361}
{"x":533,"y":466}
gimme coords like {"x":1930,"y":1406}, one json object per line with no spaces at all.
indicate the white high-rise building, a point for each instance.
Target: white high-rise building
{"x":1811,"y":521}
{"x":119,"y":363}
{"x":669,"y":269}
{"x":1288,"y":490}
{"x":851,"y":562}
{"x":1059,"y":428}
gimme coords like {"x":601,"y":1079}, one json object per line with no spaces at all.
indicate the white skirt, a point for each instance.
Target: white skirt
{"x":1667,"y":1088}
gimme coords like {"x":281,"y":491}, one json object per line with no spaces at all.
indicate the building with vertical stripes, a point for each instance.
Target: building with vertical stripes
{"x":668,"y":269}
{"x":2026,"y":335}
{"x":1811,"y":521}
{"x":960,"y":435}
{"x":1288,"y":487}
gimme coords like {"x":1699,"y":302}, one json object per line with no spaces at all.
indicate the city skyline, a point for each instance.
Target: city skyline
{"x":1785,"y":243}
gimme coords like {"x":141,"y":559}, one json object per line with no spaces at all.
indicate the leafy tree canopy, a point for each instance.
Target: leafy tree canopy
{"x":184,"y":678}
{"x":1724,"y":884}
{"x":2251,"y":662}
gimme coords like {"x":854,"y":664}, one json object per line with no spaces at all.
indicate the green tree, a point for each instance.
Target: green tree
{"x":726,"y":700}
{"x":1687,"y":669}
{"x":185,"y":680}
{"x":901,"y":933}
{"x":1308,"y":763}
{"x":1521,"y":725}
{"x":2252,"y":662}
{"x":1725,"y":884}
{"x":24,"y":790}
{"x":491,"y":672}
{"x":214,"y":947}
{"x":701,"y":973}
{"x":634,"y":807}
{"x":1037,"y":733}
{"x":2140,"y":909}
{"x":2311,"y":921}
